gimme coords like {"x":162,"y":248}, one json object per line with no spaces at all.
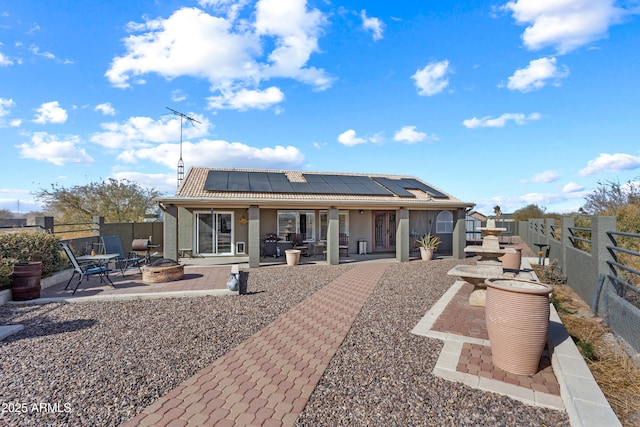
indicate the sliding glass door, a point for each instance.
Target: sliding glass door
{"x":214,"y":233}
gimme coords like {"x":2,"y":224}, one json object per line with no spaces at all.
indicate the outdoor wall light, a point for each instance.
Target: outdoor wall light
{"x":361,"y":211}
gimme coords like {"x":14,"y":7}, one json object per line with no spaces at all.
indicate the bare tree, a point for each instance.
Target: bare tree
{"x":115,"y":200}
{"x":610,"y":196}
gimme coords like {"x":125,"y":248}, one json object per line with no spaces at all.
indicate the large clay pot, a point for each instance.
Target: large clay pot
{"x":293,"y":256}
{"x":512,"y":261}
{"x":426,"y":253}
{"x":26,"y":281}
{"x":517,"y":316}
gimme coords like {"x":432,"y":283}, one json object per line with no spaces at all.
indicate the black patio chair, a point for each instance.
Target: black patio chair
{"x":85,"y":269}
{"x":113,"y":245}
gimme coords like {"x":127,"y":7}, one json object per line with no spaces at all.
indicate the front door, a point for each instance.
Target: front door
{"x":384,"y":231}
{"x":214,"y":233}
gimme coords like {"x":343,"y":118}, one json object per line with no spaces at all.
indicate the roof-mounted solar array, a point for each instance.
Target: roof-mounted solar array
{"x":400,"y":187}
{"x":277,"y":182}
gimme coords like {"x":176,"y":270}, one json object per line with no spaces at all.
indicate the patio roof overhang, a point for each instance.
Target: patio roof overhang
{"x":324,"y":203}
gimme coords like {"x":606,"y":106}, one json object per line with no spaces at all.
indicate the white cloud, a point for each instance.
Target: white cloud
{"x":572,"y":187}
{"x":51,"y":112}
{"x":36,"y":51}
{"x":372,"y":24}
{"x":544,"y":177}
{"x":143,"y":131}
{"x":245,"y":99}
{"x":350,"y":139}
{"x":432,"y":79}
{"x":410,"y":135}
{"x":106,"y":109}
{"x":222,"y":154}
{"x":564,"y":24}
{"x":178,"y":96}
{"x":537,"y":74}
{"x":5,"y":61}
{"x":5,"y":106}
{"x":611,"y":163}
{"x":498,"y":122}
{"x":49,"y":148}
{"x":229,"y":52}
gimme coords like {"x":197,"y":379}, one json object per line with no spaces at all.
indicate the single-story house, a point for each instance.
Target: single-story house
{"x":219,"y":212}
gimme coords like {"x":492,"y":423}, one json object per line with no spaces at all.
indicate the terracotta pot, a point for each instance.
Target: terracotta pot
{"x":426,"y":253}
{"x":512,"y":261}
{"x":517,"y":316}
{"x":293,"y":256}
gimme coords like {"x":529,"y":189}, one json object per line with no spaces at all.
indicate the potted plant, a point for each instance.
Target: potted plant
{"x":428,"y":245}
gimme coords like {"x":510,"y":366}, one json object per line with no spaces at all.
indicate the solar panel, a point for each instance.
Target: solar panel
{"x":341,"y":188}
{"x":217,"y":181}
{"x":279,"y":183}
{"x":348,"y":179}
{"x":321,"y":188}
{"x":330,"y":179}
{"x":259,"y":182}
{"x":414,"y":183}
{"x":394,"y":185}
{"x":311,"y":177}
{"x":301,"y":187}
{"x":238,"y":181}
{"x":360,"y":190}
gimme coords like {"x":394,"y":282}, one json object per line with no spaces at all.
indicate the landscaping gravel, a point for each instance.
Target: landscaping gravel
{"x":100,"y":363}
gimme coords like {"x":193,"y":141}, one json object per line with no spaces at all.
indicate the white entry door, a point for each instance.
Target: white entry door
{"x":214,"y":233}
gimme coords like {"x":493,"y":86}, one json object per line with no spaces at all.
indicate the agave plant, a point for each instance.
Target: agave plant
{"x":428,"y":242}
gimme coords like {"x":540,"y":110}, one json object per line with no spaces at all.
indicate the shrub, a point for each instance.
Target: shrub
{"x":28,"y":247}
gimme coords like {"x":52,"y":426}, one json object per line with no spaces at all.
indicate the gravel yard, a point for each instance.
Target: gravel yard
{"x":100,"y":363}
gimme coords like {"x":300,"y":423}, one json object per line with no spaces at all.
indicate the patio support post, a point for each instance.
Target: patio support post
{"x":254,"y":236}
{"x":333,"y":237}
{"x":45,"y":222}
{"x":599,"y":241}
{"x":566,"y":223}
{"x":402,"y":235}
{"x":170,"y":240}
{"x":459,"y":235}
{"x":98,"y":225}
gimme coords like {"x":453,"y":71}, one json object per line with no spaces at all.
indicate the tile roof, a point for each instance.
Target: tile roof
{"x":193,"y":189}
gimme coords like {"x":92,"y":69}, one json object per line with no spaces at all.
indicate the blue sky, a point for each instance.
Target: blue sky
{"x":497,"y":103}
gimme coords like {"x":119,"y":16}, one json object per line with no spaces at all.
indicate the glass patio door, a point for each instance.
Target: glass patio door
{"x":384,"y":231}
{"x":214,"y":233}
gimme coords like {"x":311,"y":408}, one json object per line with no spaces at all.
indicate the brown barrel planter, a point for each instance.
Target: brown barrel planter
{"x":517,"y":316}
{"x":26,"y":281}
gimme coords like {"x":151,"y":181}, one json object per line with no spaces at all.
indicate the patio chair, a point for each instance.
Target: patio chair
{"x":297,"y":242}
{"x":113,"y":245}
{"x":84,"y":269}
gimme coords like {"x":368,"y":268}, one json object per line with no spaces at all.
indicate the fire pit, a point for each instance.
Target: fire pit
{"x":162,"y":270}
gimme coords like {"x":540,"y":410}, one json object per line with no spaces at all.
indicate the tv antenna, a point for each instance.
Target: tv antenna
{"x":180,"y":162}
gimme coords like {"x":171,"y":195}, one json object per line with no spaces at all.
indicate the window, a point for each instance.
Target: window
{"x":297,"y":222}
{"x":343,"y":224}
{"x":444,"y":222}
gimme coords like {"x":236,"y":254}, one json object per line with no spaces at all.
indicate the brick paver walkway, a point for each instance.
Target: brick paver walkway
{"x":268,"y":379}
